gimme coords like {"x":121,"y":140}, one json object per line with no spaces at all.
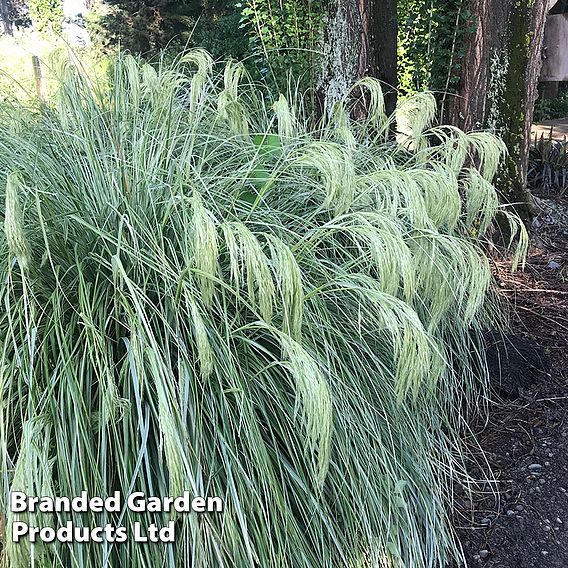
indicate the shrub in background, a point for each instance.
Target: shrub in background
{"x":153,"y":25}
{"x":284,"y":36}
{"x":220,"y":30}
{"x":202,"y":292}
{"x":46,"y":16}
{"x":550,"y":109}
{"x":548,"y":165}
{"x":431,"y":44}
{"x":141,"y":26}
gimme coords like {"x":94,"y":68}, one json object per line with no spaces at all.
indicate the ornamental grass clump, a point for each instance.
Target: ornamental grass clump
{"x":202,"y":292}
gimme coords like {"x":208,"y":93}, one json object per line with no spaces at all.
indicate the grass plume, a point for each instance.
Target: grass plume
{"x":203,"y":292}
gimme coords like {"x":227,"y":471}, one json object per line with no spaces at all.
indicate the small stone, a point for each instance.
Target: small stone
{"x":559,"y":520}
{"x":547,"y":464}
{"x":546,"y":528}
{"x":544,"y":552}
{"x":483,"y":553}
{"x":520,"y":508}
{"x":535,"y":466}
{"x":553,"y":265}
{"x":542,"y":481}
{"x":510,"y":512}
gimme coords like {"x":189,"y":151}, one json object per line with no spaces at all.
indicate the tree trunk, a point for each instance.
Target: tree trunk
{"x":359,"y":40}
{"x":384,"y":41}
{"x":5,"y":9}
{"x":499,"y":83}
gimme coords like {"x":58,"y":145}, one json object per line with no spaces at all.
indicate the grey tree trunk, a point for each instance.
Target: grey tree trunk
{"x":360,"y":40}
{"x":5,"y":9}
{"x":498,"y":87}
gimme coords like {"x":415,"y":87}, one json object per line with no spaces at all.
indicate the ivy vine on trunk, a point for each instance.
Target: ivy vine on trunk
{"x":498,"y":85}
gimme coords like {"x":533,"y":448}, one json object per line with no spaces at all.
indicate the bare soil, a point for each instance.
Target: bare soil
{"x":520,"y":520}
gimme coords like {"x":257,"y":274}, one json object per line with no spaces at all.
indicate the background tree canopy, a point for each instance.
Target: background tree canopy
{"x":143,"y":26}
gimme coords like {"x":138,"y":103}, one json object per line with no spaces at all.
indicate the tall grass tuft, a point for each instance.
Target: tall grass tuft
{"x":202,"y":292}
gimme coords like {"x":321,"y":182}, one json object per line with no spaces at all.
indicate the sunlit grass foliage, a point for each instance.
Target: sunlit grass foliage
{"x":201,"y":291}
{"x":17,"y":79}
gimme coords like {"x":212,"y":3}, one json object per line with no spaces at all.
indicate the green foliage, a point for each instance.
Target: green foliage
{"x":142,"y":26}
{"x":284,"y":35}
{"x":431,"y":43}
{"x":548,"y":165}
{"x":550,"y":109}
{"x":19,"y":13}
{"x":203,"y":293}
{"x":148,"y":26}
{"x":220,"y":30}
{"x":16,"y":69}
{"x":46,"y":15}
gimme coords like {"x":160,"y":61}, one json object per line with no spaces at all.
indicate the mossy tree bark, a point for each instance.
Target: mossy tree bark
{"x":360,"y":40}
{"x":498,"y":87}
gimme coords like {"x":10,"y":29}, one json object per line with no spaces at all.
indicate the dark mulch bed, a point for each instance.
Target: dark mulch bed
{"x":520,"y":519}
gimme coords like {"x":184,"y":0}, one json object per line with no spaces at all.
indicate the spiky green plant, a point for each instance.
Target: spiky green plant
{"x":202,"y":292}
